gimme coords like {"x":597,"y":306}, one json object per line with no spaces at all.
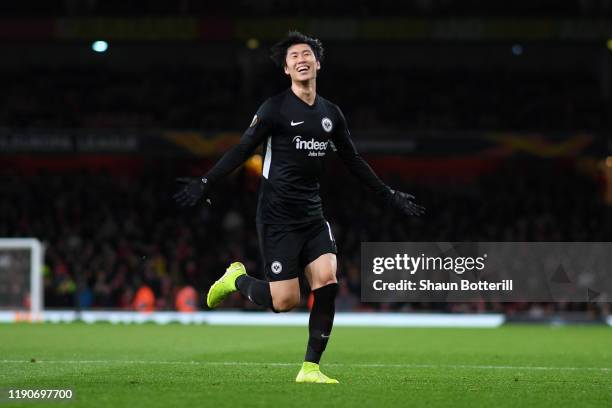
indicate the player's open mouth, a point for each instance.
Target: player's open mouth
{"x":303,"y":68}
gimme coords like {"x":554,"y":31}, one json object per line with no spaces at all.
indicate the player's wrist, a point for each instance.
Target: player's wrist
{"x":206,"y":182}
{"x":386,"y":194}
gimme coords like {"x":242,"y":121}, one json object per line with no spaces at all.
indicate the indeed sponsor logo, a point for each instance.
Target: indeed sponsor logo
{"x":311,"y":144}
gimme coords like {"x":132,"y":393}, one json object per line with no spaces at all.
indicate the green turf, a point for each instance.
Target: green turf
{"x":176,"y":365}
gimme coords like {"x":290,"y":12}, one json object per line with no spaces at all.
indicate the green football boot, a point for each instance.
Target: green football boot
{"x":225,"y":285}
{"x":310,"y":373}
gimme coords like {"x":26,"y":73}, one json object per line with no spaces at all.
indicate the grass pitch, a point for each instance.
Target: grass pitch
{"x":175,"y":365}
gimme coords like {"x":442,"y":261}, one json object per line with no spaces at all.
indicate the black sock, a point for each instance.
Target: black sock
{"x":321,"y":321}
{"x":256,"y":290}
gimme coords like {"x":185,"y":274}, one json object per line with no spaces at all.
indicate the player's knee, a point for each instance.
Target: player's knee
{"x":328,"y":280}
{"x":324,"y":280}
{"x":285,"y":303}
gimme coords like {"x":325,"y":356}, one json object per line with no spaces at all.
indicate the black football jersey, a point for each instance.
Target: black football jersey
{"x":296,"y":138}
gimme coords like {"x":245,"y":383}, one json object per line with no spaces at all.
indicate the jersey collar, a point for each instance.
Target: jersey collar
{"x":297,"y":98}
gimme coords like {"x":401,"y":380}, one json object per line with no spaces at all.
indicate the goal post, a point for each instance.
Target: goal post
{"x":21,"y":280}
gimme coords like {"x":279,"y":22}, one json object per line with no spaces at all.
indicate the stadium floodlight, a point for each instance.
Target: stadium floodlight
{"x":517,"y":49}
{"x":252,"y":43}
{"x":21,"y":261}
{"x":99,"y":46}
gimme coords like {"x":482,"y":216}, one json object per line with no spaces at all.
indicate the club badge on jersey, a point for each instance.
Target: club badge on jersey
{"x":327,"y":124}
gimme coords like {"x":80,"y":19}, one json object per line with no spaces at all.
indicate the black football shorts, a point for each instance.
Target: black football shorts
{"x":288,"y":248}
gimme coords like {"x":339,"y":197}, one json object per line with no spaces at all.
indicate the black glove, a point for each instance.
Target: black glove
{"x":403,"y":202}
{"x":193,"y":190}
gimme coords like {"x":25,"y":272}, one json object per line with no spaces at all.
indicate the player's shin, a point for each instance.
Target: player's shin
{"x":321,"y":321}
{"x":256,"y":290}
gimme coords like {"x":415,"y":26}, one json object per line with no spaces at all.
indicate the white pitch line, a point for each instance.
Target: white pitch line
{"x":359,"y":365}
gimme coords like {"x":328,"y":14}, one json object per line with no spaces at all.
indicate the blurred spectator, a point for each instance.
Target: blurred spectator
{"x":144,"y":300}
{"x":187,"y":299}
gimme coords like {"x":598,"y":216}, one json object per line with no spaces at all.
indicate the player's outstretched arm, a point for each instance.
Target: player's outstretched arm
{"x":347,"y":151}
{"x":195,"y":188}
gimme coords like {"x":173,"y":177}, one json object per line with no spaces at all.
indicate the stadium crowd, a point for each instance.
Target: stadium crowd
{"x":107,"y":235}
{"x":186,"y":98}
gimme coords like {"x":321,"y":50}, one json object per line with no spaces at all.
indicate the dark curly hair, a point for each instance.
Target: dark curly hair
{"x":279,"y":50}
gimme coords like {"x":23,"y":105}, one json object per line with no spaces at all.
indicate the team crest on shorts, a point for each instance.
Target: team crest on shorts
{"x":276,"y":267}
{"x":327,"y":124}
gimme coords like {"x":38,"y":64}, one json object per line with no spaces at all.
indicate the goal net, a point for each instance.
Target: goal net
{"x":21,"y":261}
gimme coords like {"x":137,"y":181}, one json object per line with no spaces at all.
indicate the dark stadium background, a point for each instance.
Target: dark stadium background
{"x":495,"y":115}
